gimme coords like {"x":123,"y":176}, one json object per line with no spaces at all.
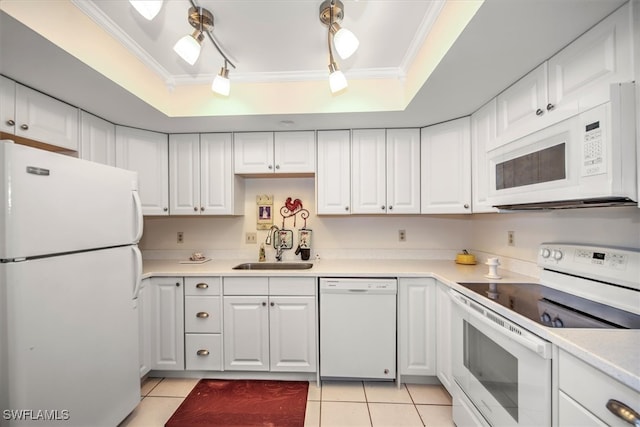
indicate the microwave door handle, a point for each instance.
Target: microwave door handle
{"x":539,"y":348}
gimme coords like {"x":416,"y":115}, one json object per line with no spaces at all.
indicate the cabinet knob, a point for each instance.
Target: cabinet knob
{"x":11,"y":122}
{"x":202,"y":286}
{"x":550,"y":107}
{"x":277,"y":166}
{"x":195,"y":209}
{"x":539,"y":112}
{"x":202,"y":315}
{"x":202,"y":352}
{"x":165,"y":209}
{"x":346,"y":208}
{"x":178,"y":284}
{"x":382,"y":207}
{"x":390,"y":208}
{"x":264,"y":304}
{"x":270,"y":167}
{"x":24,"y":127}
{"x":466,"y":206}
{"x":201,"y":208}
{"x":272,"y":304}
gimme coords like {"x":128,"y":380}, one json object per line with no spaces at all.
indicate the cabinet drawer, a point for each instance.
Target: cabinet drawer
{"x":202,"y":285}
{"x":292,"y":286}
{"x":592,"y":388}
{"x":202,"y":314}
{"x":203,"y":352}
{"x":246,"y":285}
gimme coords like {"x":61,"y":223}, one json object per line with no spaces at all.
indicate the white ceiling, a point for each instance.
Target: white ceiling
{"x":280,"y":40}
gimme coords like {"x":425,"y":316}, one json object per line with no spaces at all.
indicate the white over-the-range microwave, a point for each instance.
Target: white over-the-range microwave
{"x":586,"y":160}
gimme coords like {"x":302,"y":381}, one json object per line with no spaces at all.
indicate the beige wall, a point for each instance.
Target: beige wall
{"x":332,"y":234}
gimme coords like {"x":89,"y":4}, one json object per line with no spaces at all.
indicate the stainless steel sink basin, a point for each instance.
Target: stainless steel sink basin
{"x":274,"y":266}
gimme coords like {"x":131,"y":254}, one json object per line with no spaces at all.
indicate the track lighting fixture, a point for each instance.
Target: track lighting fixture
{"x":345,"y":42}
{"x":147,"y":8}
{"x":189,"y":46}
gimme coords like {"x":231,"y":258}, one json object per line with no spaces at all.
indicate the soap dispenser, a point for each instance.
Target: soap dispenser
{"x":261,"y":255}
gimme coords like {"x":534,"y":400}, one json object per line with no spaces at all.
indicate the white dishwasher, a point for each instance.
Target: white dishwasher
{"x":358,"y":328}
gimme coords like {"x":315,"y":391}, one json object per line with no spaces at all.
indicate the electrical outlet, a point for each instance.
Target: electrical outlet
{"x":180,"y":237}
{"x":250,"y":238}
{"x":511,"y":238}
{"x":402,"y":235}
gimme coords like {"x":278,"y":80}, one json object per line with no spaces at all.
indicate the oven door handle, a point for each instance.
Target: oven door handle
{"x":537,"y":346}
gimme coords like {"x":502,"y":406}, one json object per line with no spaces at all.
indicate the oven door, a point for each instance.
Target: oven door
{"x":504,"y":370}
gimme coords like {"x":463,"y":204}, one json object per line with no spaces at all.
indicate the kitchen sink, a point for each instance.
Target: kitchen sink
{"x":274,"y":266}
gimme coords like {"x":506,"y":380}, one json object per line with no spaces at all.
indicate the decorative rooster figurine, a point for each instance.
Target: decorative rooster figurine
{"x":293,"y":206}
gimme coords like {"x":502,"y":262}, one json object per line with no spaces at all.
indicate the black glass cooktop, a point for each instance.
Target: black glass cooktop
{"x":553,"y":308}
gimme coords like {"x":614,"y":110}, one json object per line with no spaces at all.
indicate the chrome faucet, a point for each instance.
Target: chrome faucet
{"x":280,"y":247}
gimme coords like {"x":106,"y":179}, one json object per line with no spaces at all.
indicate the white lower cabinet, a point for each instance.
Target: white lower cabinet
{"x":443,"y":336}
{"x":167,"y":323}
{"x":270,"y":324}
{"x":417,"y":326}
{"x":203,"y":323}
{"x":584,"y":393}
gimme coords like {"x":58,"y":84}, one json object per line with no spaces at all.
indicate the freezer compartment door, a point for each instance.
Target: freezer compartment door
{"x":53,"y":203}
{"x":72,"y":337}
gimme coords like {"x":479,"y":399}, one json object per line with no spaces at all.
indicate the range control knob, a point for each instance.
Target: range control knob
{"x":544,"y":253}
{"x":557,"y":323}
{"x":546,"y":318}
{"x":557,"y":255}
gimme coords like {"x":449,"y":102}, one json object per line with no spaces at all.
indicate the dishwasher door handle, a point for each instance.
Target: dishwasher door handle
{"x":358,"y":290}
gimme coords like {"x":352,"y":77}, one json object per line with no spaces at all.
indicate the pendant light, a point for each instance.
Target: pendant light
{"x":147,"y":8}
{"x":221,"y":84}
{"x":189,"y":46}
{"x":345,"y":42}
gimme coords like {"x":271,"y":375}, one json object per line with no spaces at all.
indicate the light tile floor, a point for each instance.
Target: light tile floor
{"x":335,"y":404}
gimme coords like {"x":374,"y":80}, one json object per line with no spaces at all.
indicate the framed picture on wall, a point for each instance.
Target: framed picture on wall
{"x":264,"y":212}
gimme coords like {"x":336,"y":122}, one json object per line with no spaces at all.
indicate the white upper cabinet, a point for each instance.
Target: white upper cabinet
{"x":368,"y":171}
{"x":147,"y":153}
{"x":403,"y":171}
{"x":446,"y":168}
{"x":576,"y":79}
{"x":32,"y":115}
{"x":385,"y":171}
{"x":333,"y":179}
{"x":282,"y":152}
{"x":97,"y":139}
{"x":483,"y":132}
{"x":201,"y":175}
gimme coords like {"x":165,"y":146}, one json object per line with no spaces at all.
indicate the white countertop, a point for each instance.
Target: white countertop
{"x":615,"y":352}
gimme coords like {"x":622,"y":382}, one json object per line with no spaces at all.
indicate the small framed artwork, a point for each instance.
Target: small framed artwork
{"x":264,"y":212}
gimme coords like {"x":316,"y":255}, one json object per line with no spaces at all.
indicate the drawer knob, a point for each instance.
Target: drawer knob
{"x":202,"y":315}
{"x":539,"y":112}
{"x":202,"y":352}
{"x":623,"y":411}
{"x":202,"y":286}
{"x":24,"y":127}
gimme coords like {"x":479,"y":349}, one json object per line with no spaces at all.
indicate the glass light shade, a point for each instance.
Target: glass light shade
{"x":346,"y":43}
{"x":147,"y":8}
{"x":188,"y":47}
{"x":337,"y":81}
{"x":221,"y":85}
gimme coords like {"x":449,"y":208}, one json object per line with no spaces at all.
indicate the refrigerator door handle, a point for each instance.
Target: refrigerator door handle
{"x":139,"y":216}
{"x":137,"y":271}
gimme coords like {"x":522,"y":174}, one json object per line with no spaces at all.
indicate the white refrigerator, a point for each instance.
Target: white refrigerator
{"x":70,"y":272}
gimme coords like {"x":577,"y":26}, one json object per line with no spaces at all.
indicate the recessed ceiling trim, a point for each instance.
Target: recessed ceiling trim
{"x":106,"y":23}
{"x":421,"y":35}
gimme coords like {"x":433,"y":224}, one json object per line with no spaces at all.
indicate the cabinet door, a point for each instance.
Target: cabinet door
{"x":292,"y":323}
{"x":483,"y":137}
{"x":333,"y":179}
{"x":167,"y":323}
{"x":403,"y":171}
{"x":253,"y":152}
{"x":522,"y":105}
{"x":443,"y":336}
{"x":7,"y":105}
{"x":580,"y":74}
{"x":184,"y":174}
{"x":368,"y":171}
{"x":295,"y":152}
{"x":97,"y":139}
{"x":446,"y":168}
{"x":148,"y":154}
{"x":42,"y":118}
{"x":144,"y":327}
{"x":417,"y":327}
{"x":221,"y":193}
{"x":246,"y":333}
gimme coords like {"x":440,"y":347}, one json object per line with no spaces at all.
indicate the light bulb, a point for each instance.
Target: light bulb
{"x":337,"y":81}
{"x":346,"y":43}
{"x":147,"y":8}
{"x":221,"y":84}
{"x":188,"y":47}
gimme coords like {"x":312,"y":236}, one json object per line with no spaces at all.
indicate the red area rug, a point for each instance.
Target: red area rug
{"x":243,"y":403}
